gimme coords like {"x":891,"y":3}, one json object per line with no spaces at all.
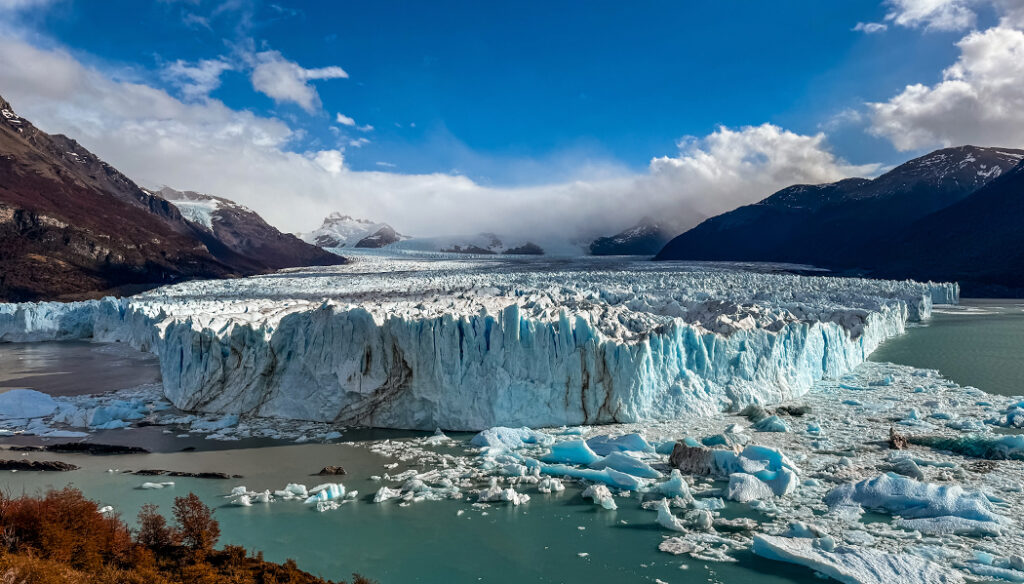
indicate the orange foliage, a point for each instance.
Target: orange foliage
{"x":62,"y":538}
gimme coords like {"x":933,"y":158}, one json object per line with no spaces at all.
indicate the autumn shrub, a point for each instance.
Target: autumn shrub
{"x":62,"y":538}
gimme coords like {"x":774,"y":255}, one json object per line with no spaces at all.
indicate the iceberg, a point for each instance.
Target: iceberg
{"x":601,"y":496}
{"x":948,"y":508}
{"x":571,"y":452}
{"x":26,"y":403}
{"x":623,"y":462}
{"x":854,"y":565}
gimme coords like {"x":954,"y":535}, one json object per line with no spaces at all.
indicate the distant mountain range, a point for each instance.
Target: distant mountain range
{"x":72,"y":226}
{"x":646,"y":238}
{"x":889,"y":226}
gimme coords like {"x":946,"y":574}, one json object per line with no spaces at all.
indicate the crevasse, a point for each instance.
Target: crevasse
{"x":521,"y":354}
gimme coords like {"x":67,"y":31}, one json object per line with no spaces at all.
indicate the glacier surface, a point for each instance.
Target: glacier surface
{"x":471,"y":344}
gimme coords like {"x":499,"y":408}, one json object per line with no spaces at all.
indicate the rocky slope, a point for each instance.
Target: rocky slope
{"x":239,"y":232}
{"x":73,"y":226}
{"x":849,"y":224}
{"x":977,"y":241}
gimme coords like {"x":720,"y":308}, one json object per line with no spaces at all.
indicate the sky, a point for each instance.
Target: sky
{"x":548,"y":119}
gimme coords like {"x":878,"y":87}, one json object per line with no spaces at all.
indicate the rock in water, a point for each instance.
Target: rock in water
{"x":332,"y":471}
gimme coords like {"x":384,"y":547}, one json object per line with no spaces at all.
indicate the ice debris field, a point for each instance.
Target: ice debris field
{"x":737,"y":406}
{"x":466,"y":345}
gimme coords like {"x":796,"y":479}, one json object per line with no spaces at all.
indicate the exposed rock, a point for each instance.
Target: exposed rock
{"x":94,"y":448}
{"x":897,"y":441}
{"x":332,"y":471}
{"x":37,"y":465}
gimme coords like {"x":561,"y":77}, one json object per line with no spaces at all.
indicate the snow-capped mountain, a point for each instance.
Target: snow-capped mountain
{"x":848,"y":224}
{"x":647,"y":237}
{"x":240,"y":232}
{"x":338,"y":231}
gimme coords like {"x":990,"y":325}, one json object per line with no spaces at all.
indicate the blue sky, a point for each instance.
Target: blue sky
{"x":467,"y":85}
{"x":511,"y":95}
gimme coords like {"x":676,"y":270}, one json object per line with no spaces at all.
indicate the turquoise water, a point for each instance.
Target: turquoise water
{"x":980,"y":343}
{"x":423,"y":542}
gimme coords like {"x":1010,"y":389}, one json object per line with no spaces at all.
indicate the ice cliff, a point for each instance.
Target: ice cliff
{"x":406,"y":343}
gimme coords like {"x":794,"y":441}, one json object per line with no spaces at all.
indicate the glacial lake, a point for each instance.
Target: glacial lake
{"x":979,"y":344}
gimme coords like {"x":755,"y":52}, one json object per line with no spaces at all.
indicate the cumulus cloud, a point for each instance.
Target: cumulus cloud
{"x":206,"y":146}
{"x":345,"y":120}
{"x":933,"y":15}
{"x":871,"y":27}
{"x":285,"y":81}
{"x":196,"y":80}
{"x":980,"y":99}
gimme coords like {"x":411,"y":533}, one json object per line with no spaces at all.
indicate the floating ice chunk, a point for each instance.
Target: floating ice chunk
{"x":325,"y":492}
{"x":149,"y":485}
{"x":322,"y":506}
{"x":623,"y":462}
{"x":744,"y":488}
{"x":242,"y":501}
{"x":675,"y":486}
{"x":911,"y":499}
{"x":571,"y":452}
{"x":105,"y":509}
{"x":608,"y":476}
{"x":550,"y":485}
{"x":225,"y":421}
{"x":601,"y":496}
{"x":495,"y":493}
{"x":854,"y":565}
{"x":511,"y":438}
{"x":26,"y":403}
{"x":605,"y":445}
{"x":384,"y":494}
{"x":771,"y":424}
{"x":948,"y":525}
{"x":666,"y":519}
{"x":239,"y":490}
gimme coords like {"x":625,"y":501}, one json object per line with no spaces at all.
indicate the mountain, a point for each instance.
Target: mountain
{"x":978,"y":242}
{"x":339,"y":230}
{"x":237,"y":232}
{"x":73,"y":226}
{"x":847,"y":224}
{"x":645,"y":238}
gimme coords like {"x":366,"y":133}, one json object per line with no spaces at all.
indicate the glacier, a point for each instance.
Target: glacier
{"x":406,"y":342}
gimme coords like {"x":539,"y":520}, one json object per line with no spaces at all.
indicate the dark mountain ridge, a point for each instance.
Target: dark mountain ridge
{"x":848,"y":225}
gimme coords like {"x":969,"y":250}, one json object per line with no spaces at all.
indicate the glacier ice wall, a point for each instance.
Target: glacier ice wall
{"x":470,"y":345}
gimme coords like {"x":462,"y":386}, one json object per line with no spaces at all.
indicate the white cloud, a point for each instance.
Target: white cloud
{"x":980,"y":99}
{"x":366,"y":128}
{"x":206,"y":146}
{"x":932,"y":15}
{"x":286,"y":81}
{"x":871,"y":27}
{"x":358,"y":142}
{"x":196,"y":81}
{"x":17,"y":5}
{"x":345,"y":120}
